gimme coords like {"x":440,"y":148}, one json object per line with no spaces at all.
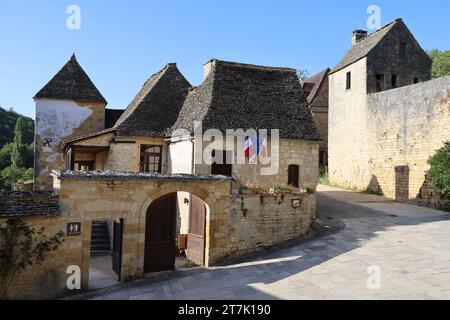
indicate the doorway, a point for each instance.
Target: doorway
{"x":106,"y":253}
{"x":163,"y":240}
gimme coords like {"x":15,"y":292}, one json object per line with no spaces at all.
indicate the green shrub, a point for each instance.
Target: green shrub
{"x":11,"y":175}
{"x":440,"y":170}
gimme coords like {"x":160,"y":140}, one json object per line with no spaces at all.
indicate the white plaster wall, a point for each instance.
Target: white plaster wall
{"x":181,"y":162}
{"x":348,"y":134}
{"x":56,"y":120}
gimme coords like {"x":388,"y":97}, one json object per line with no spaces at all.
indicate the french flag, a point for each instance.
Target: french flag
{"x":249,"y":147}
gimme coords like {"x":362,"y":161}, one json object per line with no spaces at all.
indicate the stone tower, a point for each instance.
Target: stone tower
{"x":69,"y":105}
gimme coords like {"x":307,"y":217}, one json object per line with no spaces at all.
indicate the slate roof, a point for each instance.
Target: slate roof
{"x":125,"y":175}
{"x":235,"y":95}
{"x":362,"y":48}
{"x":68,"y":142}
{"x":71,"y":83}
{"x":155,"y":108}
{"x":317,"y":89}
{"x":27,"y":203}
{"x":111,"y":117}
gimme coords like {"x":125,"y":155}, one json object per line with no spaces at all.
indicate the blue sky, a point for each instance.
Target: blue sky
{"x":121,"y":43}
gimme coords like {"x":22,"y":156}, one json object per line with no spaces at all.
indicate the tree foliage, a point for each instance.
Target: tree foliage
{"x":441,"y":63}
{"x":440,"y":170}
{"x":19,"y":149}
{"x":8,"y":119}
{"x":22,"y":246}
{"x":17,"y":155}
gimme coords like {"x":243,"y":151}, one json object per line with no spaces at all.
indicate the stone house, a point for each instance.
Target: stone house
{"x":386,"y":115}
{"x":316,"y":90}
{"x":140,"y":170}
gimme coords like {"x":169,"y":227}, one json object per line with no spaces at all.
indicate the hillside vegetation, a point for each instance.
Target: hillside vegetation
{"x":16,"y":148}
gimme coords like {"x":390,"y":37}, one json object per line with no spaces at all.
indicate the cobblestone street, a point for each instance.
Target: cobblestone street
{"x":409,"y":245}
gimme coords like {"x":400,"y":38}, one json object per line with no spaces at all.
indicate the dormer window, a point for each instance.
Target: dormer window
{"x":403,"y":48}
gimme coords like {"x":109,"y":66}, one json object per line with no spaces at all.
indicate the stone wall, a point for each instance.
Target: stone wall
{"x":291,"y":152}
{"x":385,"y":60}
{"x":407,"y":126}
{"x":85,"y":197}
{"x":257,"y":222}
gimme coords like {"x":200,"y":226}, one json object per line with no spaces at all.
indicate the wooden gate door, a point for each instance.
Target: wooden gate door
{"x":117,"y":246}
{"x":196,"y":235}
{"x":160,"y":235}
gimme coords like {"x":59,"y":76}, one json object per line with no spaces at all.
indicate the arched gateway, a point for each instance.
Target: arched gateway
{"x":146,"y":207}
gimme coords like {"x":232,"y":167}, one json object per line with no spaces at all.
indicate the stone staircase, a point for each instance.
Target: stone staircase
{"x":100,"y":241}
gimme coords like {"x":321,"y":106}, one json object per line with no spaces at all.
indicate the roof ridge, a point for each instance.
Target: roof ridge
{"x":251,"y":66}
{"x":134,"y":104}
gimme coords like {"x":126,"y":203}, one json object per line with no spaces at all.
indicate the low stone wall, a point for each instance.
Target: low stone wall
{"x":257,"y":222}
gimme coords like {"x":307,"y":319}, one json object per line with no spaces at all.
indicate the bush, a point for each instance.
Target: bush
{"x":440,"y":170}
{"x":22,"y":246}
{"x":11,"y":175}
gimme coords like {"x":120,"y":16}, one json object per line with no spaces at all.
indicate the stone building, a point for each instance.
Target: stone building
{"x":386,"y":117}
{"x":140,"y":170}
{"x":316,"y":90}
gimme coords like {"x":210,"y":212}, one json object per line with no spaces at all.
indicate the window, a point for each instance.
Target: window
{"x":403,"y":48}
{"x":416,"y":80}
{"x":293,"y":175}
{"x":150,"y":158}
{"x":379,"y":82}
{"x":394,"y":81}
{"x":84,"y":166}
{"x":223,"y":168}
{"x":349,"y":81}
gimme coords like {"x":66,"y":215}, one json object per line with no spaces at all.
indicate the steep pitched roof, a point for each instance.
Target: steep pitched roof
{"x":71,"y":83}
{"x":363,"y":47}
{"x":235,"y":95}
{"x":156,"y":106}
{"x":317,"y":83}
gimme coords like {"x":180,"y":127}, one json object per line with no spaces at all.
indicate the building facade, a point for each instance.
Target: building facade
{"x":142,"y":171}
{"x":386,"y":115}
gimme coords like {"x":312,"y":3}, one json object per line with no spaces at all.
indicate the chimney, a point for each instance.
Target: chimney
{"x":207,"y":67}
{"x":358,"y":35}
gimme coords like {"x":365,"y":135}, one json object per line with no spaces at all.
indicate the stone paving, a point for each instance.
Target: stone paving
{"x":355,"y":234}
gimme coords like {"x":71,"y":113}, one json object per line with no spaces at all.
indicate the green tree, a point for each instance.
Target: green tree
{"x":441,"y":63}
{"x":19,"y":151}
{"x":5,"y":156}
{"x":302,"y":74}
{"x":440,"y":170}
{"x":22,"y":246}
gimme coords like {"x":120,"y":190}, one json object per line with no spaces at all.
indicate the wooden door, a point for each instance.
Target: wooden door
{"x":196,"y":235}
{"x":117,"y":246}
{"x":160,"y":235}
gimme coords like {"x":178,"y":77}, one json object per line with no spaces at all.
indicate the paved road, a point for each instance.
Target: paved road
{"x":404,"y":249}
